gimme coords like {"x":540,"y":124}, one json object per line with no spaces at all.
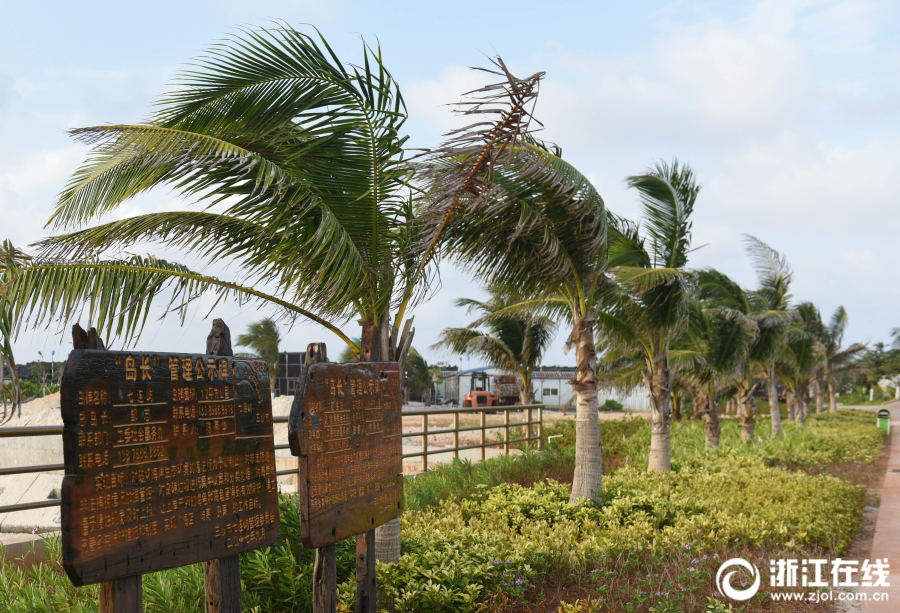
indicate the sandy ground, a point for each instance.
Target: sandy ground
{"x":39,"y":412}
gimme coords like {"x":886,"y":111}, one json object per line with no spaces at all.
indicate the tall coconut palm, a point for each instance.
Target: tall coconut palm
{"x":771,"y":301}
{"x":540,"y":232}
{"x":837,"y":359}
{"x":511,"y":342}
{"x":648,"y":308}
{"x":300,"y":160}
{"x":263,"y":337}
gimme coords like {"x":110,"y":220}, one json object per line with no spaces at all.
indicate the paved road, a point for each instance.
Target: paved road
{"x":886,"y":543}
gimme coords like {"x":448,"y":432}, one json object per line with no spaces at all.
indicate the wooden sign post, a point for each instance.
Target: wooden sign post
{"x":346,"y":428}
{"x":169,"y":461}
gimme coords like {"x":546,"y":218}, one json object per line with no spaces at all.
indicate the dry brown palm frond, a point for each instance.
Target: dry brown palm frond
{"x":458,"y":173}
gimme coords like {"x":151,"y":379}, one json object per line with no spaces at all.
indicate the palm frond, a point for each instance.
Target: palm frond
{"x":117,"y":295}
{"x":668,"y":193}
{"x":458,"y":174}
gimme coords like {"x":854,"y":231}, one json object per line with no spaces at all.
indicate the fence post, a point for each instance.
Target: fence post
{"x":325,"y":565}
{"x":456,"y":434}
{"x":528,"y":429}
{"x":222,"y":577}
{"x":540,"y":441}
{"x":482,"y":435}
{"x":122,"y":595}
{"x":425,"y":443}
{"x":506,"y":428}
{"x":119,"y":595}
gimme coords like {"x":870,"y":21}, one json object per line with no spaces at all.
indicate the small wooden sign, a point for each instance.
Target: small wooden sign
{"x":169,"y":461}
{"x":346,"y":428}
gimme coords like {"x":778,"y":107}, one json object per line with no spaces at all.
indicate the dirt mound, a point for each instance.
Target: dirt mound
{"x":39,"y":412}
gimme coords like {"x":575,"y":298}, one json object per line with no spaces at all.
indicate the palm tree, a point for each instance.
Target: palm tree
{"x":734,"y":302}
{"x":418,"y":375}
{"x":347,"y":353}
{"x":648,"y":308}
{"x":300,"y":159}
{"x":540,"y":233}
{"x":836,"y":359}
{"x":10,"y":391}
{"x":263,"y":337}
{"x":708,"y":353}
{"x":771,"y":301}
{"x":803,"y":356}
{"x":512,"y":342}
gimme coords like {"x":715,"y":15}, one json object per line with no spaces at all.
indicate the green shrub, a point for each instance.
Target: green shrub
{"x":611,"y":405}
{"x":473,"y":529}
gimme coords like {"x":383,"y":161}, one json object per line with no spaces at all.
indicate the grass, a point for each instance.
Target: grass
{"x":500,"y":535}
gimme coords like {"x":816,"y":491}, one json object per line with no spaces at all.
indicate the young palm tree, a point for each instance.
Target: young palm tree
{"x":802,"y":356}
{"x":772,"y":302}
{"x":836,"y":359}
{"x":263,"y":337}
{"x":418,"y":375}
{"x":648,"y":309}
{"x":300,"y":159}
{"x":708,"y":354}
{"x":512,"y":342}
{"x":10,"y":390}
{"x":540,"y":232}
{"x":348,"y":354}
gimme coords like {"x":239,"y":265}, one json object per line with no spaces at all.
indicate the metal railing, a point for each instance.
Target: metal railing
{"x":528,"y":423}
{"x":24,"y":432}
{"x":531,"y":434}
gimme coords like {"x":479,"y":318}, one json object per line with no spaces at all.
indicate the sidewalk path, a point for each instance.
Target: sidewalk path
{"x":886,"y":543}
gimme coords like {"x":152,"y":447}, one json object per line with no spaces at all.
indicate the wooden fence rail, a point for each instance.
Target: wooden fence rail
{"x":533,"y":429}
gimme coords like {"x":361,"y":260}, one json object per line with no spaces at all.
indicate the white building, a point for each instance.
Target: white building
{"x":551,"y":387}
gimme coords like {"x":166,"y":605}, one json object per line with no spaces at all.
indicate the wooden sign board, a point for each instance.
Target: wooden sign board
{"x":346,"y":428}
{"x":169,"y":460}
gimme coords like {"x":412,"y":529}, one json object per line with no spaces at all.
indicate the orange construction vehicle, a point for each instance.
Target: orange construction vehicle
{"x":481,"y":398}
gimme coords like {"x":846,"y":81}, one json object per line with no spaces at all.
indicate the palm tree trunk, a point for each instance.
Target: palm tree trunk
{"x":526,"y":393}
{"x":696,"y":402}
{"x":660,"y":384}
{"x":588,"y":454}
{"x":774,"y":409}
{"x":832,"y":396}
{"x":801,"y":405}
{"x":676,"y":407}
{"x":820,"y":396}
{"x":790,"y":397}
{"x":747,"y":407}
{"x":748,"y":423}
{"x":713,"y":427}
{"x":374,"y":349}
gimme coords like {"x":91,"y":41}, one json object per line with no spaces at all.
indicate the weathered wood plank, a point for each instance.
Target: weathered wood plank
{"x":325,"y":580}
{"x":222,"y":576}
{"x":169,"y":461}
{"x":346,"y":422}
{"x":366,"y":589}
{"x":122,"y":595}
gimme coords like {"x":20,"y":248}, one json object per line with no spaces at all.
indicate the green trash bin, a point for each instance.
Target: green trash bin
{"x":884,"y":421}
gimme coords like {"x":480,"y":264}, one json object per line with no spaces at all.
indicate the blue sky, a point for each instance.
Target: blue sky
{"x":788,"y":112}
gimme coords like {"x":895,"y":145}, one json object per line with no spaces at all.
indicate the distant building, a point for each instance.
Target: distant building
{"x":289,"y":366}
{"x":550,"y":384}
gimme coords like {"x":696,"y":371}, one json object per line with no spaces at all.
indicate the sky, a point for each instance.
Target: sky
{"x":788,"y":112}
